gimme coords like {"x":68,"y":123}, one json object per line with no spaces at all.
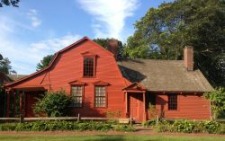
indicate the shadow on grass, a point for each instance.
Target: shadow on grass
{"x":107,"y":138}
{"x":114,"y":138}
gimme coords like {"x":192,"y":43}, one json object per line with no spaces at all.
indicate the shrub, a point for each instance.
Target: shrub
{"x":127,"y":128}
{"x":8,"y":127}
{"x":217,"y":99}
{"x":183,"y":126}
{"x":187,"y":126}
{"x":63,"y":125}
{"x":53,"y":104}
{"x":221,"y":129}
{"x":211,"y":126}
{"x":150,"y":123}
{"x":163,"y":128}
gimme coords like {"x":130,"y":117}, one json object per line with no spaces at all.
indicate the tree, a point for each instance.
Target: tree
{"x":4,"y":65}
{"x":9,"y":2}
{"x":217,"y":99}
{"x":164,"y":31}
{"x":104,"y":43}
{"x":44,"y":62}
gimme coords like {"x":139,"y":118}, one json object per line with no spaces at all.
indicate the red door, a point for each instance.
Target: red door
{"x":136,"y":107}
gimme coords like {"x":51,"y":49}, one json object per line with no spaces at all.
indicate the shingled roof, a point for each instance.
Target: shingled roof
{"x":164,"y":75}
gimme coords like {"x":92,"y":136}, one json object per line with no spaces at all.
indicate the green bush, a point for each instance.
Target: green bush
{"x":63,"y":125}
{"x":187,"y":126}
{"x":150,"y":123}
{"x":7,"y":127}
{"x":53,"y":104}
{"x":127,"y":128}
{"x":212,"y":126}
{"x":183,"y":126}
{"x":221,"y":129}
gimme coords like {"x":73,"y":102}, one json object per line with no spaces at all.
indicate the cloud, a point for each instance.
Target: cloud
{"x":33,"y":16}
{"x":23,"y":55}
{"x":109,"y":15}
{"x":24,"y":60}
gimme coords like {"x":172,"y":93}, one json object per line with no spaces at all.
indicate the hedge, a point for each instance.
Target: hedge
{"x":187,"y":126}
{"x":63,"y":126}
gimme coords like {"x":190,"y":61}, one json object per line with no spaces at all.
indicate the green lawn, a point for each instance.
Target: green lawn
{"x":124,"y":137}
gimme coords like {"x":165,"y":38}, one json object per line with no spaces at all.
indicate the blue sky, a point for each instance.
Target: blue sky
{"x":36,"y":29}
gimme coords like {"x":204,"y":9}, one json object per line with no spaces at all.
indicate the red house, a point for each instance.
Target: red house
{"x":100,"y":84}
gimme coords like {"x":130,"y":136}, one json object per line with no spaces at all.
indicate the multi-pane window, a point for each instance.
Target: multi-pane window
{"x":172,"y":102}
{"x":100,"y":96}
{"x":77,"y":94}
{"x":88,"y":67}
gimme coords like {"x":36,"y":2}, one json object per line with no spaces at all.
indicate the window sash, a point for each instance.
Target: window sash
{"x":100,"y":96}
{"x":88,"y":67}
{"x":77,"y":96}
{"x":172,"y":102}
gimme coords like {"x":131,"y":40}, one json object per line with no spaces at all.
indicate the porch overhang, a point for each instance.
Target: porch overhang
{"x":135,"y":88}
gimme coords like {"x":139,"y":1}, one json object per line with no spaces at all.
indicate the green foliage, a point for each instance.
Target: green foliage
{"x":127,"y":128}
{"x":44,"y":62}
{"x":104,"y":43}
{"x":187,"y":126}
{"x":217,"y":98}
{"x":150,"y":123}
{"x":5,"y":65}
{"x":63,"y":126}
{"x":53,"y":104}
{"x":164,"y":31}
{"x":9,"y":2}
{"x":8,"y":127}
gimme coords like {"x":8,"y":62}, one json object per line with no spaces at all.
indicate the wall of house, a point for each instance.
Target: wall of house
{"x":69,"y":68}
{"x":190,"y":106}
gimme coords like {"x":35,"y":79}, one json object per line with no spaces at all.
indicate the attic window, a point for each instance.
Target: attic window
{"x":172,"y":102}
{"x":89,"y":67}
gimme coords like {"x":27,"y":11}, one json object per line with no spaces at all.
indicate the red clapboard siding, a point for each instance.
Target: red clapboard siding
{"x":68,"y":67}
{"x":190,"y":106}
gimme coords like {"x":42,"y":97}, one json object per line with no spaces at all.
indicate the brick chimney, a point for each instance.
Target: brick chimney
{"x":113,"y":46}
{"x":189,"y":58}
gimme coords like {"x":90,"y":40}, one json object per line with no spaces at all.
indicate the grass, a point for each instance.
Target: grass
{"x":103,"y":137}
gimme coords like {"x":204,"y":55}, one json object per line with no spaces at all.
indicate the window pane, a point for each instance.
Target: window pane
{"x":100,"y":96}
{"x":77,"y":93}
{"x":88,"y":67}
{"x":172,"y":102}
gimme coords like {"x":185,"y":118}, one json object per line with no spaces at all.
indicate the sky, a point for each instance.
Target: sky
{"x":37,"y":29}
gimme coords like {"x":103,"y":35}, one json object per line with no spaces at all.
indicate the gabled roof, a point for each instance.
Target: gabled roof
{"x":57,"y":54}
{"x":164,"y":75}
